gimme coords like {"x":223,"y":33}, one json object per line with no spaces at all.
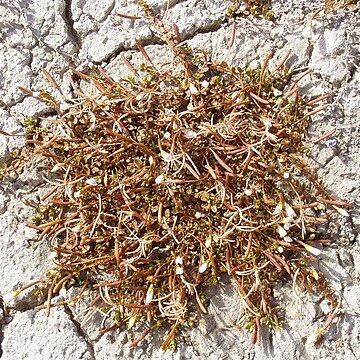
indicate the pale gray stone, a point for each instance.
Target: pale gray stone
{"x":32,"y":335}
{"x":55,"y":34}
{"x":9,"y":143}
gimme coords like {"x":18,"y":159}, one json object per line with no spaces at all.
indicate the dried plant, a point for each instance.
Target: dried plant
{"x":250,"y":7}
{"x":333,"y":5}
{"x":263,"y":7}
{"x":163,"y":181}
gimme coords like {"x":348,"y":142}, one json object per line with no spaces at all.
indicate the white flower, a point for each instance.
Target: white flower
{"x":282,"y":232}
{"x":199,"y":215}
{"x":167,"y":135}
{"x":179,"y":262}
{"x":193,"y":89}
{"x":205,"y":84}
{"x":247,"y":192}
{"x":287,"y":224}
{"x":91,"y":181}
{"x":64,"y":107}
{"x":149,"y":294}
{"x":166,"y":156}
{"x":208,"y":241}
{"x":266,"y":122}
{"x":203,"y":267}
{"x":277,"y":92}
{"x":159,"y":179}
{"x":312,"y":250}
{"x":341,"y":211}
{"x":286,"y":175}
{"x":132,"y":321}
{"x":190,"y":134}
{"x":315,"y":274}
{"x":76,"y":229}
{"x":290,"y":213}
{"x":278,"y":209}
{"x":57,"y":167}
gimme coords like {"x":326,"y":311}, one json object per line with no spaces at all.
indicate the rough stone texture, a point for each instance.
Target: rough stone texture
{"x":9,"y":144}
{"x":55,"y":337}
{"x":57,"y":33}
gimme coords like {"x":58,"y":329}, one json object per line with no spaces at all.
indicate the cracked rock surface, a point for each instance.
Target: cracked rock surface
{"x":55,"y":34}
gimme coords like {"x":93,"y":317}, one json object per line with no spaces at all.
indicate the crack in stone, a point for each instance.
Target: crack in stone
{"x":164,"y":6}
{"x":309,"y":52}
{"x":354,"y":231}
{"x":2,"y":310}
{"x":109,"y":10}
{"x":147,"y":42}
{"x":211,"y":28}
{"x":69,"y":21}
{"x":352,"y":351}
{"x":80,"y":331}
{"x":2,"y":321}
{"x":216,"y":26}
{"x":77,"y":41}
